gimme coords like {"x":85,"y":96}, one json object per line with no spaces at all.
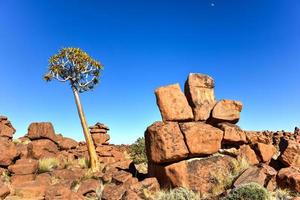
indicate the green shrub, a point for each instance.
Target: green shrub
{"x":178,"y":194}
{"x":137,"y":151}
{"x":47,"y":164}
{"x":251,"y":191}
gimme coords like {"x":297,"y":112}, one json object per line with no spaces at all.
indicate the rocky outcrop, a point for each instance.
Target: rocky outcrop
{"x":182,"y":153}
{"x":40,"y":130}
{"x":99,"y":134}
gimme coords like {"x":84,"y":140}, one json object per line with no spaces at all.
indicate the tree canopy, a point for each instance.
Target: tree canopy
{"x":76,"y":66}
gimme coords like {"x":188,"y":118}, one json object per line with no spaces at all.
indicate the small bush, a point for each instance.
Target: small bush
{"x":251,"y":191}
{"x":137,"y":151}
{"x":178,"y":194}
{"x":83,"y":162}
{"x":47,"y":164}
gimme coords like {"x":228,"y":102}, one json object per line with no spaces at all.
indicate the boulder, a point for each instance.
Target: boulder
{"x":88,"y":186}
{"x":40,"y":130}
{"x":257,"y":174}
{"x":4,"y":190}
{"x":6,"y":128}
{"x":42,"y":148}
{"x":198,"y":174}
{"x":121,"y":176}
{"x":226,"y":111}
{"x":24,"y":166}
{"x":165,"y":143}
{"x":201,"y":138}
{"x":172,"y":104}
{"x":31,"y":190}
{"x":248,"y":153}
{"x":232,"y":133}
{"x":8,"y":152}
{"x":17,"y":180}
{"x":291,"y":155}
{"x":254,"y":137}
{"x":265,"y":151}
{"x":199,"y":90}
{"x":113,"y":192}
{"x":289,"y":178}
{"x":67,"y":143}
{"x":61,"y":192}
{"x":100,"y":139}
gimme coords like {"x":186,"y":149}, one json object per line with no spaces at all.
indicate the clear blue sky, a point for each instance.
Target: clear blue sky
{"x":251,"y":48}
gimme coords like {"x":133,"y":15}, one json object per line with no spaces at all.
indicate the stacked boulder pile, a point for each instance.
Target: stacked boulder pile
{"x":199,"y":146}
{"x":46,"y":165}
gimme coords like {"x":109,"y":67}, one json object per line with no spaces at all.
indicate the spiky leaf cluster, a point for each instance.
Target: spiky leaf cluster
{"x":76,"y":66}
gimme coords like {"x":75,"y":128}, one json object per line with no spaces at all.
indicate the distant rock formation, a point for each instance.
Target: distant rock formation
{"x":27,"y":174}
{"x":197,"y":141}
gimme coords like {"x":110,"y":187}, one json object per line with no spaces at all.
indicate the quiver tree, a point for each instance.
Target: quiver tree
{"x":75,"y":66}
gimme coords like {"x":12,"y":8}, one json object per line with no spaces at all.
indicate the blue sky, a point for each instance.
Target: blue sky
{"x":251,"y":48}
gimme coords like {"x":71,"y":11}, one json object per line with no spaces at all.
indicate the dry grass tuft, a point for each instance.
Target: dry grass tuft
{"x":48,"y":164}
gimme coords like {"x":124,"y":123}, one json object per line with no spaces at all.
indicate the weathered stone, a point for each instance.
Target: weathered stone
{"x":21,"y":179}
{"x":201,"y":138}
{"x":100,"y":126}
{"x":121,"y":176}
{"x":67,"y":143}
{"x":8,"y":152}
{"x":4,"y":190}
{"x":61,"y":192}
{"x":165,"y":142}
{"x":201,"y":175}
{"x":289,"y":178}
{"x":131,"y":195}
{"x":87,"y":186}
{"x":31,"y":190}
{"x":199,"y":90}
{"x":246,"y":152}
{"x":291,"y":155}
{"x":266,"y":151}
{"x":6,"y":129}
{"x":232,"y":133}
{"x":257,"y":174}
{"x":254,"y":137}
{"x":113,"y":192}
{"x":40,"y":130}
{"x":100,"y":139}
{"x":24,"y":166}
{"x":42,"y":148}
{"x":226,"y":111}
{"x":172,"y":104}
{"x":98,"y":130}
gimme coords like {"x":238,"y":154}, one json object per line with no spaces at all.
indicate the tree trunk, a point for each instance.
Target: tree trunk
{"x":94,"y":163}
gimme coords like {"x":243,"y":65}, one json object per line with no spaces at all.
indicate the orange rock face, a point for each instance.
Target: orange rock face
{"x":6,"y":128}
{"x":289,"y":178}
{"x":24,"y":166}
{"x":172,"y":104}
{"x":165,"y":142}
{"x":8,"y":152}
{"x":199,"y":90}
{"x":291,"y":155}
{"x":196,"y":174}
{"x":201,"y":138}
{"x":266,"y":151}
{"x":42,"y":148}
{"x":232,"y":133}
{"x":227,"y":111}
{"x":41,"y":130}
{"x":246,"y":152}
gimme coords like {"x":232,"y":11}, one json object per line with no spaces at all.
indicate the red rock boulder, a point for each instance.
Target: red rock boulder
{"x":6,"y":128}
{"x":226,"y":111}
{"x":265,"y":151}
{"x":24,"y":166}
{"x":165,"y":143}
{"x":289,"y":178}
{"x":249,"y":154}
{"x":173,"y":104}
{"x":42,"y":148}
{"x":232,"y":133}
{"x":40,"y":130}
{"x":201,"y":138}
{"x":199,"y":90}
{"x":8,"y":152}
{"x":291,"y":155}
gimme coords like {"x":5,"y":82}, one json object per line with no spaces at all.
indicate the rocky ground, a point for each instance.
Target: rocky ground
{"x":45,"y":165}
